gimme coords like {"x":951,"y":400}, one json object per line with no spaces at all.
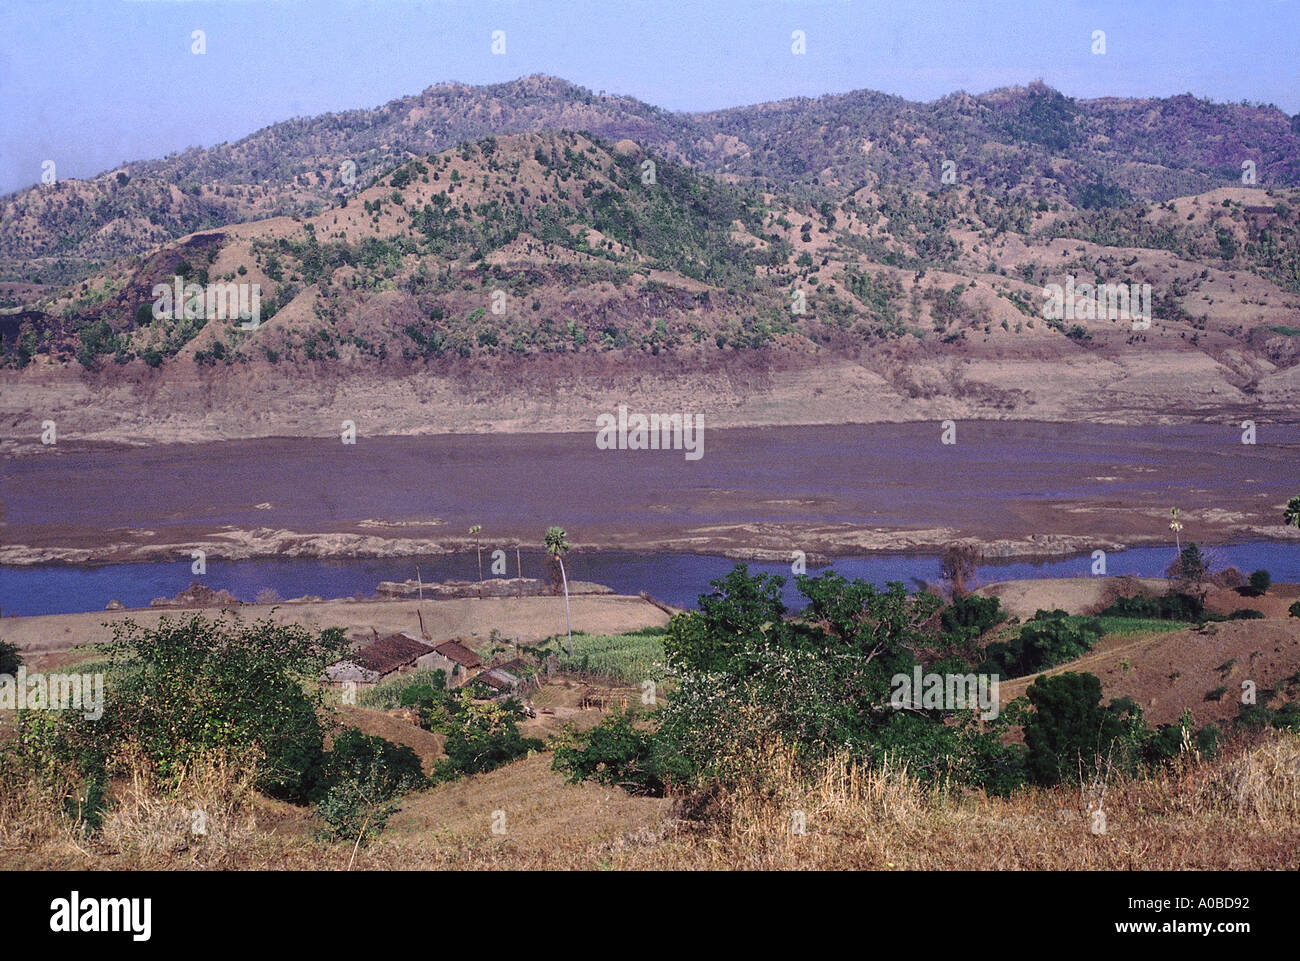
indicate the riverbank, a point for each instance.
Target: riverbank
{"x":676,"y":578}
{"x":54,"y":638}
{"x":1021,"y":490}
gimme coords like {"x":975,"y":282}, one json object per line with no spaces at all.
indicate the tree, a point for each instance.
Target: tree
{"x":1291,"y":516}
{"x":958,"y":565}
{"x":192,"y":685}
{"x":557,"y":545}
{"x":1190,"y":571}
{"x":9,"y":658}
{"x":731,"y":618}
{"x":1067,"y":728}
{"x":1260,"y":581}
{"x":478,"y":548}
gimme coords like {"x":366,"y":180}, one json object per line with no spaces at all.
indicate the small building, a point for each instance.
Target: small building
{"x":454,"y":659}
{"x":512,"y":677}
{"x":394,"y":654}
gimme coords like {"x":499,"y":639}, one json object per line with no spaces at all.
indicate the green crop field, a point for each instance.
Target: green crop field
{"x":631,"y":658}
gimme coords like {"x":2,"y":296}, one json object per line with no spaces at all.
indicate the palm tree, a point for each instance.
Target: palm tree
{"x":1291,"y":515}
{"x":557,"y":546}
{"x":474,"y":530}
{"x":1176,"y":526}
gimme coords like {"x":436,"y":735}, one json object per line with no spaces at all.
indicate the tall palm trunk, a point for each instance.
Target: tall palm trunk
{"x":567,"y":618}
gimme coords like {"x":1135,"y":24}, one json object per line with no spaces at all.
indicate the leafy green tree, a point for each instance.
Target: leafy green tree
{"x":193,"y":684}
{"x":1069,"y":729}
{"x":9,"y":658}
{"x":1260,"y":581}
{"x":730,"y":618}
{"x":1291,"y":516}
{"x":820,"y":683}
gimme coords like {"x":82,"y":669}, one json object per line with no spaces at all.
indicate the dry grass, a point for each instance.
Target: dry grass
{"x":1262,"y":783}
{"x":202,"y":815}
{"x":1241,"y":812}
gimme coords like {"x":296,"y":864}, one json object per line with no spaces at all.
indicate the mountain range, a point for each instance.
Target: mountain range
{"x":892,"y":253}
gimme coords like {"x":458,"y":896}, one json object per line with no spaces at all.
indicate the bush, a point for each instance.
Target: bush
{"x":196,"y":684}
{"x":10,"y":660}
{"x":1049,"y":638}
{"x":1173,"y":606}
{"x":355,"y":808}
{"x":1166,"y":742}
{"x":1260,"y":581}
{"x":392,"y":769}
{"x":1287,"y":717}
{"x":1069,"y":729}
{"x":613,"y":752}
{"x":1245,"y":614}
{"x":482,"y":737}
{"x":749,"y":681}
{"x":1294,"y":609}
{"x":969,"y":616}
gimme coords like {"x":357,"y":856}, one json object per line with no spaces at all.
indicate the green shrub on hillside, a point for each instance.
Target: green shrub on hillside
{"x":614,"y":752}
{"x":394,"y":769}
{"x":1070,"y":731}
{"x":748,"y":680}
{"x":10,"y":659}
{"x":220,"y":683}
{"x":1246,"y":614}
{"x":481,"y":737}
{"x":970,"y":615}
{"x":1049,"y":638}
{"x":1173,"y":606}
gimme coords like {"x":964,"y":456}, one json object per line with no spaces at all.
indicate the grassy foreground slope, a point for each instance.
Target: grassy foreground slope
{"x":1240,"y":812}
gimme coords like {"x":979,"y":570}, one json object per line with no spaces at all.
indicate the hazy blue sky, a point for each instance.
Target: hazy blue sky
{"x":91,"y":83}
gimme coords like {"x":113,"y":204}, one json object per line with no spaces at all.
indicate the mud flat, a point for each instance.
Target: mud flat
{"x":1023,"y":489}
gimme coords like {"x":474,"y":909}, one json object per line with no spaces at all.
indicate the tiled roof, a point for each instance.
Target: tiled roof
{"x":389,"y":653}
{"x":462,"y":655}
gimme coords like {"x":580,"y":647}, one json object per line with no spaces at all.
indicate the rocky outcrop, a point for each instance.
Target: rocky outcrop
{"x":197,"y":595}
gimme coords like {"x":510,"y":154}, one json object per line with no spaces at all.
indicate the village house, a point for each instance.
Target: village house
{"x":400,"y":654}
{"x":394,"y":654}
{"x":457,"y":661}
{"x":505,"y":679}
